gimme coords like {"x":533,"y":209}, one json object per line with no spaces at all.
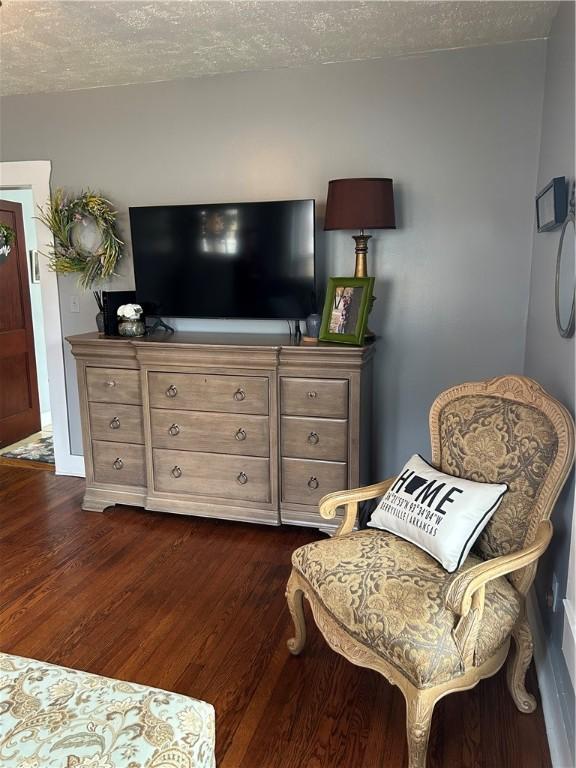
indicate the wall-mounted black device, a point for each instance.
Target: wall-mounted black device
{"x":552,"y":205}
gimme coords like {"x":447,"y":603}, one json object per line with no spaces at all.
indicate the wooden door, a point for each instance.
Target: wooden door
{"x":19,"y":404}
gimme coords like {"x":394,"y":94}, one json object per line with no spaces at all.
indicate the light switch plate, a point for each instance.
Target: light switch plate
{"x":554,"y":592}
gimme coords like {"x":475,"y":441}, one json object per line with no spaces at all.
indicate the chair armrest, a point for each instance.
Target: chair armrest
{"x":350,"y":499}
{"x":463,"y":587}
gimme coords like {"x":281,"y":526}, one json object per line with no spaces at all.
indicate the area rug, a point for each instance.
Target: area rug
{"x":54,"y":717}
{"x":41,"y":449}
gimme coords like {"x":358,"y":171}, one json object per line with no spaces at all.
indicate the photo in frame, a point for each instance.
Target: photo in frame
{"x":346,"y":309}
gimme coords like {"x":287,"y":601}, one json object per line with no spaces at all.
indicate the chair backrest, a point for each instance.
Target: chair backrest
{"x":505,"y":430}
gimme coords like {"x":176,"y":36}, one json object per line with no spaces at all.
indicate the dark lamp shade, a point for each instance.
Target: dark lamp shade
{"x":360,"y":204}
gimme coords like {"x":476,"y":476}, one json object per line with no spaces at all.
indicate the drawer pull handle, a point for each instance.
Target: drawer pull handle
{"x":313,"y":483}
{"x":241,"y":434}
{"x":174,"y":430}
{"x":239,"y":395}
{"x":312,"y":395}
{"x":242,"y":478}
{"x":115,"y":423}
{"x":313,"y":438}
{"x":111,"y":383}
{"x":118,"y":464}
{"x":176,"y":471}
{"x":171,"y":391}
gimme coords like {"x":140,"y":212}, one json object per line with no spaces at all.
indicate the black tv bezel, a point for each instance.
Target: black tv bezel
{"x":244,"y":202}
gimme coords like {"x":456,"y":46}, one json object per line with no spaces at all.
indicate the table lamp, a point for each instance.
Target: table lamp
{"x":360,"y":204}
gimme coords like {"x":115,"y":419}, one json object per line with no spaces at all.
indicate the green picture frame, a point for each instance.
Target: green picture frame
{"x":346,"y":309}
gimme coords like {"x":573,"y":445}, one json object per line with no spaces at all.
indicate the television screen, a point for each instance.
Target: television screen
{"x":232,"y":260}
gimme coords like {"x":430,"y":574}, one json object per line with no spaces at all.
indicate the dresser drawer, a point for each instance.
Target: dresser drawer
{"x":113,"y":385}
{"x":242,"y":478}
{"x":306,"y":438}
{"x":205,"y":392}
{"x":119,"y":463}
{"x":117,"y":423}
{"x":240,"y":434}
{"x":314,"y":397}
{"x":305,"y":482}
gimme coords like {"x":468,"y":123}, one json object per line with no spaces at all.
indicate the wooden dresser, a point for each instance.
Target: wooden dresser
{"x":234,"y":426}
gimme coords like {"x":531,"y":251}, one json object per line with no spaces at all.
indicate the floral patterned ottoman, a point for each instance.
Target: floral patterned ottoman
{"x":52,"y":717}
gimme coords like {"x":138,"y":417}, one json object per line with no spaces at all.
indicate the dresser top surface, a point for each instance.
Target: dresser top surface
{"x":229,"y":340}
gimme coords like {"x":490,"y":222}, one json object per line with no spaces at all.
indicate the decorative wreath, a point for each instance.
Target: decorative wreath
{"x":65,"y":216}
{"x":6,"y":234}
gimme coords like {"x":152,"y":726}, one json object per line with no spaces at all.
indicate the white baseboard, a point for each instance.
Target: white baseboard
{"x":569,"y":640}
{"x":553,"y":717}
{"x":71,"y":465}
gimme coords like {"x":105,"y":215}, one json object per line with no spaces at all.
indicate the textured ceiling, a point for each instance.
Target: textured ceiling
{"x":60,"y":45}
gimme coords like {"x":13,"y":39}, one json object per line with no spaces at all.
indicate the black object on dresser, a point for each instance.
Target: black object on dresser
{"x":111,"y":300}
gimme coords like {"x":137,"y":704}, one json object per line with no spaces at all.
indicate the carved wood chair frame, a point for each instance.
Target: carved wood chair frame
{"x":465,"y":596}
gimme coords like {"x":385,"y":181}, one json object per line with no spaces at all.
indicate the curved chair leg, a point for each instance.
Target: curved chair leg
{"x":419,"y":709}
{"x":518,"y":663}
{"x":295,"y":596}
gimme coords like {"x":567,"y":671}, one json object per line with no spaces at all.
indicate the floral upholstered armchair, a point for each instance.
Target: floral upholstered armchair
{"x":383,"y":603}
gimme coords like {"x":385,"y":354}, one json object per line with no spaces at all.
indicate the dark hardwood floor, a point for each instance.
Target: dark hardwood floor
{"x":198,"y":607}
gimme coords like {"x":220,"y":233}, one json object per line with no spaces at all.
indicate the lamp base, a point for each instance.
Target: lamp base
{"x":369,"y":336}
{"x":361,"y":241}
{"x":361,"y":270}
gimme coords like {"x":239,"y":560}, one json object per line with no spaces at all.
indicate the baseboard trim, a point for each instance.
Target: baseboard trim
{"x":569,"y":640}
{"x":553,"y":718}
{"x":71,"y":465}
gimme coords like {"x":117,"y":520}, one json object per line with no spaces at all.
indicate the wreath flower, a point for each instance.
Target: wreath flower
{"x":62,"y":215}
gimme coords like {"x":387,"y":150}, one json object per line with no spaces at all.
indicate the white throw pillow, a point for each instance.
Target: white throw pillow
{"x":441,"y":514}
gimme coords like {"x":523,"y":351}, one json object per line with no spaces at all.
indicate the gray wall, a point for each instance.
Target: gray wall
{"x":457,"y":130}
{"x":549,"y":357}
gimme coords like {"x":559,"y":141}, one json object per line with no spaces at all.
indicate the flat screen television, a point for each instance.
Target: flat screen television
{"x":225,"y":260}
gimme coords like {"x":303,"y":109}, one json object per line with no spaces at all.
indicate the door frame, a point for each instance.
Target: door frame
{"x":35,"y":175}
